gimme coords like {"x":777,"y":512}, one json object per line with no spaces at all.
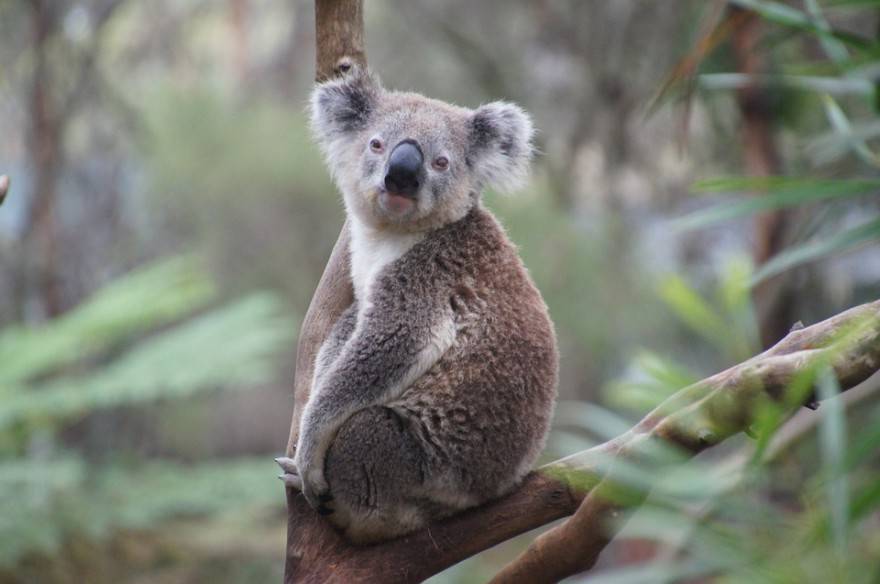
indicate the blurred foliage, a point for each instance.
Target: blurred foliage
{"x":837,"y":181}
{"x":156,"y":335}
{"x":222,"y":171}
{"x":799,"y":504}
{"x":130,"y":459}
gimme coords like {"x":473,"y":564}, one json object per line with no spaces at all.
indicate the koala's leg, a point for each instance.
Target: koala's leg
{"x":376,"y":469}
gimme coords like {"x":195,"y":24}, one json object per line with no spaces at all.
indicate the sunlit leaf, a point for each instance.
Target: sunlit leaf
{"x":693,"y":310}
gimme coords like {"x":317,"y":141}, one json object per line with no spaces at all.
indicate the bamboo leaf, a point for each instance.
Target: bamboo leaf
{"x":802,"y":254}
{"x":776,"y":193}
{"x":832,"y":438}
{"x":787,"y":16}
{"x":838,"y":120}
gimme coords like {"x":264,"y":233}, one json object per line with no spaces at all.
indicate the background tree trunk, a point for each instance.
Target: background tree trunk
{"x":45,"y":136}
{"x":773,"y":298}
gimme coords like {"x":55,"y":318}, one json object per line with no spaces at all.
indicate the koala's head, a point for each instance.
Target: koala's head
{"x":410,"y":163}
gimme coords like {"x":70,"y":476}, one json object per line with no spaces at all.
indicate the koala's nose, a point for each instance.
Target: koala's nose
{"x":404,"y":166}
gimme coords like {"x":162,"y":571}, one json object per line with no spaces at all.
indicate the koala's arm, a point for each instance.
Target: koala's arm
{"x":389,"y":350}
{"x":335,"y":343}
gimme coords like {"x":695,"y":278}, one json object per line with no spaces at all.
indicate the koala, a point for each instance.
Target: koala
{"x":434,"y":390}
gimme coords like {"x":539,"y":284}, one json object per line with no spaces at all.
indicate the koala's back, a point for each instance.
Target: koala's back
{"x":482,"y":412}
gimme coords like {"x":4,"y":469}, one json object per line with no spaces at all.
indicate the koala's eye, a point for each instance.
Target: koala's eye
{"x":441,"y":163}
{"x":376,"y":145}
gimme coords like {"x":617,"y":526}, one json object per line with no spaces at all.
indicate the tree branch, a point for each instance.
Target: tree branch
{"x":693,"y":420}
{"x":697,"y":417}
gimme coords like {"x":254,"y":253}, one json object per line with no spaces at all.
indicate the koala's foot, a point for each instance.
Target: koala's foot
{"x":290,"y":477}
{"x":319,"y":501}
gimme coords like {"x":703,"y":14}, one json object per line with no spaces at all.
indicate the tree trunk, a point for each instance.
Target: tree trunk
{"x":238,"y":21}
{"x":339,"y":33}
{"x":45,"y":137}
{"x":773,"y":298}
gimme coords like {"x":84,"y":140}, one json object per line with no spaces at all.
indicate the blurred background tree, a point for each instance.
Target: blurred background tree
{"x":170,"y":218}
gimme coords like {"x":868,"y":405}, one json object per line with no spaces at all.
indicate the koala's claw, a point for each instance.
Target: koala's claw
{"x":290,"y":477}
{"x":287,"y":465}
{"x":292,"y":481}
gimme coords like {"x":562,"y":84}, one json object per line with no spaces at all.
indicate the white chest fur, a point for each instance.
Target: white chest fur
{"x":372,"y":250}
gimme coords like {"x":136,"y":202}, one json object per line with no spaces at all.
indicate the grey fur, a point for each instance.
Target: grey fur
{"x":434,"y":391}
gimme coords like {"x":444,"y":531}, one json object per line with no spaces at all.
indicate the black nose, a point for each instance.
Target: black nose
{"x":404,"y":166}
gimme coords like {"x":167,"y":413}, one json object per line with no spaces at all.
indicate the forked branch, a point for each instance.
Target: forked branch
{"x":697,"y":417}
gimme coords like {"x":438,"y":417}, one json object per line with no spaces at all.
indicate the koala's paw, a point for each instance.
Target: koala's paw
{"x":290,"y":475}
{"x":314,"y":488}
{"x":317,"y":493}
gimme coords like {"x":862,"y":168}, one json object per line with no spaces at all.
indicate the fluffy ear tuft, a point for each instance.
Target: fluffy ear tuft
{"x":343,"y":105}
{"x":501,"y":145}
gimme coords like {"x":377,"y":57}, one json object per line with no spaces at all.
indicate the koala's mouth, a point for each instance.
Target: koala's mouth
{"x":397,"y":205}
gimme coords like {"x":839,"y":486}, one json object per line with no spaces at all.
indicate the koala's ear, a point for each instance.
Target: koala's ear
{"x":500,"y":150}
{"x":344,"y":105}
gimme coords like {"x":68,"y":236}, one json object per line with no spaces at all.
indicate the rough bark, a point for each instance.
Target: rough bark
{"x":339,"y":33}
{"x":696,"y":418}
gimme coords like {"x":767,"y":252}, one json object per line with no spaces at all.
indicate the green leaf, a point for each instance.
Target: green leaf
{"x":833,"y":145}
{"x":146,"y":298}
{"x":61,"y":498}
{"x":787,"y":16}
{"x":832,"y":439}
{"x":866,"y":501}
{"x":693,"y":310}
{"x":865,"y":445}
{"x":231,"y":346}
{"x":651,"y":380}
{"x":833,"y":47}
{"x":842,"y":126}
{"x":802,"y":254}
{"x":776,"y":193}
{"x":842,"y":86}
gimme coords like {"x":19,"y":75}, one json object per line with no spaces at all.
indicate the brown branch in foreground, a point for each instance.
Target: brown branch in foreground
{"x":4,"y":187}
{"x":694,"y":419}
{"x":697,"y":418}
